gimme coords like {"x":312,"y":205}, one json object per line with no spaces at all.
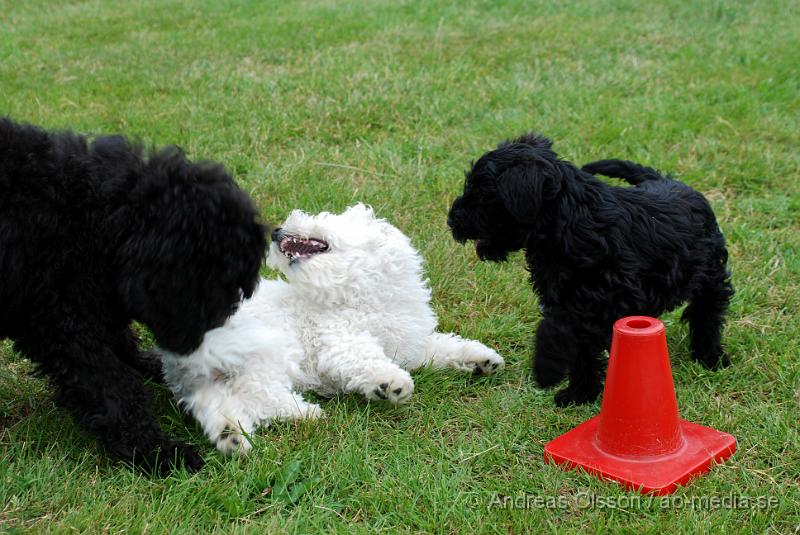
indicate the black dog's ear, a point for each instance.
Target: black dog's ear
{"x":520,"y":189}
{"x":530,"y":177}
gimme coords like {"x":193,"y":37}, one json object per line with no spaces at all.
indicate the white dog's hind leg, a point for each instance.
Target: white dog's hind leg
{"x":259,"y":403}
{"x":283,"y":404}
{"x":452,"y":351}
{"x":223,"y":418}
{"x":350,"y":362}
{"x":231,"y":411}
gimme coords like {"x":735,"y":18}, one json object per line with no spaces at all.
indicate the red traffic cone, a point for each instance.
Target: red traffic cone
{"x":638,"y":438}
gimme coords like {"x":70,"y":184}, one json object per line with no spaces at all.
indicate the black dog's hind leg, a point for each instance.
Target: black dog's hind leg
{"x":109,"y":401}
{"x":564,"y":343}
{"x":706,"y":317}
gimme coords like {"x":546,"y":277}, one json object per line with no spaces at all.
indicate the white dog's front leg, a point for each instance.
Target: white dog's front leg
{"x":355,"y":362}
{"x":452,"y":351}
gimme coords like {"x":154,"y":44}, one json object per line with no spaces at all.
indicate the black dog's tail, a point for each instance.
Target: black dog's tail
{"x":630,"y":172}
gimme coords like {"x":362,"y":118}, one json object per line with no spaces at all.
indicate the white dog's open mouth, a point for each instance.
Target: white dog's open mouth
{"x":297,"y":248}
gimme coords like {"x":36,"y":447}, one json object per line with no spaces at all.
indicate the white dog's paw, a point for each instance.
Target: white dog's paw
{"x":304,"y":410}
{"x":478,"y":359}
{"x":232,"y":441}
{"x":313,"y":412}
{"x":294,"y":407}
{"x":394,"y":386}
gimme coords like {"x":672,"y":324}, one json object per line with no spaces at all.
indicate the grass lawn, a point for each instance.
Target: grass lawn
{"x":316,"y":104}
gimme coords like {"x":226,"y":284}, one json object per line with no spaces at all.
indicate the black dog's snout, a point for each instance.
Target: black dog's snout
{"x":457,"y":222}
{"x":451,"y":215}
{"x":277,"y":234}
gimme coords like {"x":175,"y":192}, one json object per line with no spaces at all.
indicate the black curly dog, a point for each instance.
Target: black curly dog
{"x":596,"y":253}
{"x":95,"y":235}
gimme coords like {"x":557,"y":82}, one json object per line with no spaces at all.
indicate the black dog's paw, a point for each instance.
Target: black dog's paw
{"x":577,"y":395}
{"x":547,"y":375}
{"x":185,"y":455}
{"x":172,"y":456}
{"x":149,"y":365}
{"x":717,"y":362}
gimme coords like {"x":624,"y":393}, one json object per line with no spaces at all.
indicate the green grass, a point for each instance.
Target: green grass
{"x":317,"y":104}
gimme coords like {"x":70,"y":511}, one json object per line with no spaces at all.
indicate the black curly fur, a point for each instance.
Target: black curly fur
{"x":95,"y":235}
{"x":596,"y":253}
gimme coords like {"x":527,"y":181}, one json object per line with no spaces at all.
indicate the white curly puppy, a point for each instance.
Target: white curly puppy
{"x":355,"y":316}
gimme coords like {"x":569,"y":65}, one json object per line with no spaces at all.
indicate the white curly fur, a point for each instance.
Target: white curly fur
{"x":355,"y":318}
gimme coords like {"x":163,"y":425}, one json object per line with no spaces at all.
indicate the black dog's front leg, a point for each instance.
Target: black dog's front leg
{"x":108,"y":400}
{"x":564,"y":344}
{"x":553,"y":355}
{"x":147,"y":363}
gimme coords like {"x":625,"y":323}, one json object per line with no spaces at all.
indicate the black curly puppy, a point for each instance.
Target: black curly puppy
{"x":596,"y":253}
{"x":95,"y":235}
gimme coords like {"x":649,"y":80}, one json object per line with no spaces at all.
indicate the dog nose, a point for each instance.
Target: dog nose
{"x":277,"y":234}
{"x":453,"y":210}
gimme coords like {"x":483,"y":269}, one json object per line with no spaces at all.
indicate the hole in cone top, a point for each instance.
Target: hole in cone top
{"x":639,"y":326}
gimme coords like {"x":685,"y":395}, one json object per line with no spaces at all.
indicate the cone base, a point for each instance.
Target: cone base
{"x":649,"y":475}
